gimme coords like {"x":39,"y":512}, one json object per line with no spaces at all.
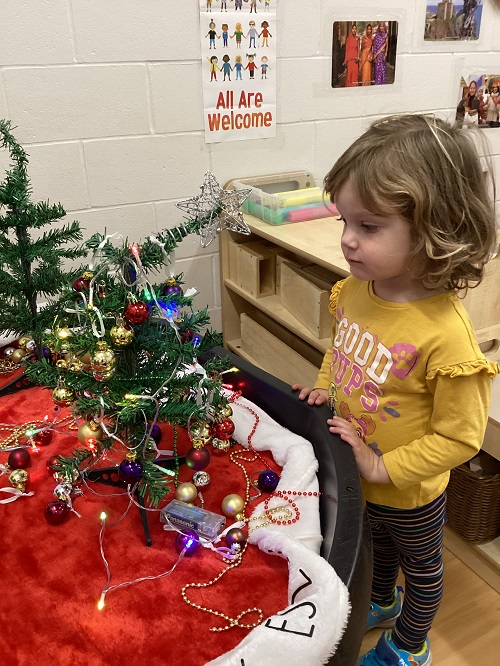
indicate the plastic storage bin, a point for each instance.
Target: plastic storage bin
{"x":285,"y":198}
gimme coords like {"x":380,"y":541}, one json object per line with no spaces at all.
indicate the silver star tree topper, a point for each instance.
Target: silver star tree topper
{"x":216,"y":209}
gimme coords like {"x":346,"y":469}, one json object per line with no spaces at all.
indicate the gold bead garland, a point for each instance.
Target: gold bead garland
{"x":13,"y":440}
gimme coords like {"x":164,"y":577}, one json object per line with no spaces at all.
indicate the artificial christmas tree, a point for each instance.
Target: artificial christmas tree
{"x":124,"y":353}
{"x":31,"y":261}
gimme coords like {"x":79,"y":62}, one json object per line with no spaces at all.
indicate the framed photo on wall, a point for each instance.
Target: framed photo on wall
{"x":364,"y":53}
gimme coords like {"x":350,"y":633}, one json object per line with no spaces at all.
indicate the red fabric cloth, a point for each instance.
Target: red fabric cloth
{"x":52,"y":576}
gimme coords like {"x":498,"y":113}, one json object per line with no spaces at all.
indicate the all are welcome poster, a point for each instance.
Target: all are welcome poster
{"x":238,"y":52}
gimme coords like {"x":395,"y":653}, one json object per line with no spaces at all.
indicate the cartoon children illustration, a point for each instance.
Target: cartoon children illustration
{"x":251,"y":66}
{"x":238,"y":66}
{"x":265,"y":34}
{"x":211,"y":34}
{"x":238,"y":4}
{"x":266,"y":5}
{"x":252,"y":35}
{"x":238,"y":33}
{"x":223,"y":5}
{"x":209,"y":5}
{"x":226,"y":67}
{"x":214,"y":67}
{"x":225,"y":33}
{"x":253,"y":6}
{"x":264,"y":67}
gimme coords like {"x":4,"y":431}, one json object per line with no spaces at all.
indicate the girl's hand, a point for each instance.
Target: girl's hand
{"x":314,"y":396}
{"x":371,"y":466}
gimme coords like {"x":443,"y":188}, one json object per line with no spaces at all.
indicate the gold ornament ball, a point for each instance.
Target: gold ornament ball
{"x":62,"y":364}
{"x":103,"y":361}
{"x":19,"y":479}
{"x":63,"y":333}
{"x":200,"y":431}
{"x":63,"y":395}
{"x":89,"y":429}
{"x":232,"y":505}
{"x":186,"y":492}
{"x":121,"y":335}
{"x":23,"y":341}
{"x":75,"y":365}
{"x":17,"y":355}
{"x":226,"y":411}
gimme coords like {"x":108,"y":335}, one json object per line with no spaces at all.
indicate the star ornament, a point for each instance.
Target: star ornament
{"x":216,"y":209}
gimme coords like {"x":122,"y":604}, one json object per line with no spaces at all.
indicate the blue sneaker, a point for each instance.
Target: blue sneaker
{"x":385,"y":653}
{"x":385,"y":616}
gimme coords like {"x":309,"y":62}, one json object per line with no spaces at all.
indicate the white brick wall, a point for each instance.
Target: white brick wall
{"x":107,"y":99}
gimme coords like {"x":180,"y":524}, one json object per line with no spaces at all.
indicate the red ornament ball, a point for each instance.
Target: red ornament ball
{"x":80,"y":284}
{"x":53,"y":460}
{"x":198,"y":459}
{"x":136,"y":313}
{"x":56,"y":512}
{"x":223,"y":429}
{"x":19,"y":459}
{"x":42,"y":437}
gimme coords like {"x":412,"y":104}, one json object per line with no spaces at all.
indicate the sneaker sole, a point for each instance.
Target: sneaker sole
{"x":384,"y":625}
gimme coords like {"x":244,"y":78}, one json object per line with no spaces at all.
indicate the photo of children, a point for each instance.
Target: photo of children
{"x":453,"y":20}
{"x":364,"y":53}
{"x":479,"y":101}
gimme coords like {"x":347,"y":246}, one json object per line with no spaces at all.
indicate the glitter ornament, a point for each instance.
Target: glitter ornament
{"x":42,"y":437}
{"x":201,"y":479}
{"x":63,"y":395}
{"x":103,"y":361}
{"x":67,"y":477}
{"x":89,"y":429}
{"x":198,"y":459}
{"x":19,"y":459}
{"x":130,"y":470}
{"x":220,"y":446}
{"x":223,"y":429}
{"x":189,"y":540}
{"x":56,"y":512}
{"x":19,"y":478}
{"x":8,"y":351}
{"x":186,"y":492}
{"x":136,"y":313}
{"x":121,"y":335}
{"x":267,"y":481}
{"x":232,"y":505}
{"x":63,"y":492}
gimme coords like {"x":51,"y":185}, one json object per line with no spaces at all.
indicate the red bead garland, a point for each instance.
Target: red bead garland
{"x":287,"y":495}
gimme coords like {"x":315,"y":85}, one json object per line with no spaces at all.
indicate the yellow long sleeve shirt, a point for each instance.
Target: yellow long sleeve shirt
{"x":412,"y":379}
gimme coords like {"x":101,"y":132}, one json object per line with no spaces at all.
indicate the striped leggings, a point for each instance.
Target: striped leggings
{"x":413,"y":540}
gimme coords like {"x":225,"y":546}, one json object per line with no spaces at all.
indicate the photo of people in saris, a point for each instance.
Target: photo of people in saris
{"x":364,"y":53}
{"x":453,"y":20}
{"x":479,"y":101}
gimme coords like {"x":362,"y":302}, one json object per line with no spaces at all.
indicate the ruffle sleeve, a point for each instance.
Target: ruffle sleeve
{"x":466,"y":369}
{"x":334,"y":296}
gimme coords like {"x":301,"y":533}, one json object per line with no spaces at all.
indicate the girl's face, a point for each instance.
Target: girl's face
{"x":376,"y":248}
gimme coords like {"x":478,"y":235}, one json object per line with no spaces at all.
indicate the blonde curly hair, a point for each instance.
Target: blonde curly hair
{"x":429,"y":173}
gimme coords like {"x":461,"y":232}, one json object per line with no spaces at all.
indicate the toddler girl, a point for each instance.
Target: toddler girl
{"x":408,"y":383}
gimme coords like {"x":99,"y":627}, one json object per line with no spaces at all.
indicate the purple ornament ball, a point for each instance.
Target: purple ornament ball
{"x":130,"y":471}
{"x":190,"y":539}
{"x":198,"y":459}
{"x":268,"y":481}
{"x":156,"y":433}
{"x":19,"y":459}
{"x":56,"y":512}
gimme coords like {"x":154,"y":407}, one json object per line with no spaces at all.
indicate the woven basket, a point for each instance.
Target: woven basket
{"x":473,"y":504}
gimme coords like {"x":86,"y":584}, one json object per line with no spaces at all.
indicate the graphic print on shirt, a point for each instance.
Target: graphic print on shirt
{"x":360,"y":367}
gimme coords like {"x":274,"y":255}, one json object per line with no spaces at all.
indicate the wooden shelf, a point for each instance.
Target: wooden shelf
{"x":271,"y":305}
